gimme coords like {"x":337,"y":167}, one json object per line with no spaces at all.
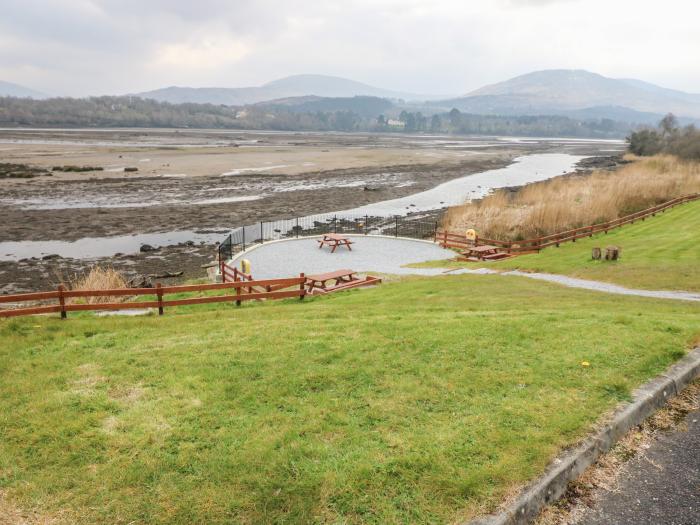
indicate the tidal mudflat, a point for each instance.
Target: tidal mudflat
{"x":166,"y":183}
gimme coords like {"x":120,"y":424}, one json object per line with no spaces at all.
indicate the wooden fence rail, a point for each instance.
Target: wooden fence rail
{"x":244,"y":291}
{"x":459,"y":241}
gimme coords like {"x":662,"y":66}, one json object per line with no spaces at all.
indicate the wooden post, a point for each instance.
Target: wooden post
{"x":238,"y":291}
{"x":302,"y":286}
{"x":159,"y":293}
{"x":62,"y":301}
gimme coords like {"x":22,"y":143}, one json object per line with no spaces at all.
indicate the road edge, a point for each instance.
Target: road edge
{"x":552,"y":485}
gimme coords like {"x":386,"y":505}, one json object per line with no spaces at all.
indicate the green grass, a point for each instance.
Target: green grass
{"x":425,"y":400}
{"x":660,"y":253}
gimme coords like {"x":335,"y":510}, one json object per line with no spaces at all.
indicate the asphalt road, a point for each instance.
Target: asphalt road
{"x":659,"y":487}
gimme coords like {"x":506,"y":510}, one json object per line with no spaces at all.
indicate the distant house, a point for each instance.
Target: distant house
{"x":395,"y":123}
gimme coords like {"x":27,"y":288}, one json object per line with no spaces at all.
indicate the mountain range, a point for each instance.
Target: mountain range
{"x":574,"y":93}
{"x":570,"y":92}
{"x":293,"y":86}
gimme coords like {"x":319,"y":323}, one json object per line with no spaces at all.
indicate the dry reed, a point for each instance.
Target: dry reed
{"x":570,"y":202}
{"x":100,"y":278}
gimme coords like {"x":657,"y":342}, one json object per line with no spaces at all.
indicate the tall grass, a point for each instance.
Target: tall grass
{"x":563,"y":203}
{"x":100,"y":278}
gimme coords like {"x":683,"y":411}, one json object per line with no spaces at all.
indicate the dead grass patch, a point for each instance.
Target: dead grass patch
{"x":127,"y":394}
{"x":12,"y":514}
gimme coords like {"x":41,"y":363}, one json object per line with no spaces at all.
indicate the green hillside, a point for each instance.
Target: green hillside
{"x":424,"y":400}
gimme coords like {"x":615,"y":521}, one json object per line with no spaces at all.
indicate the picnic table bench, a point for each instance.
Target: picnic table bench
{"x":334,"y":240}
{"x":341,"y":280}
{"x":485,"y":252}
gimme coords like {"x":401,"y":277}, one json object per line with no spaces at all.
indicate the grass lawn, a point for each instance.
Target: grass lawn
{"x":424,"y":400}
{"x":661,"y":253}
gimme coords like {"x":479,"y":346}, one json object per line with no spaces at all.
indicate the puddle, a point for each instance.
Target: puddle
{"x":240,"y":171}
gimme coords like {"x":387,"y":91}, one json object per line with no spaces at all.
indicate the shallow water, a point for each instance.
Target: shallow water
{"x":524,"y":170}
{"x":94,"y":247}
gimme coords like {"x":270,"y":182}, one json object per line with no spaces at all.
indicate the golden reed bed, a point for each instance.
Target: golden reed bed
{"x":570,"y":202}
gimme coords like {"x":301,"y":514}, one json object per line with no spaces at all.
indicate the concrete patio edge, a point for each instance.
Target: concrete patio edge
{"x":570,"y":465}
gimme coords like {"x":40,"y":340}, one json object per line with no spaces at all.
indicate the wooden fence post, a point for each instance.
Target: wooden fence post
{"x":238,"y":291}
{"x":62,"y":301}
{"x":302,"y":286}
{"x":159,"y":293}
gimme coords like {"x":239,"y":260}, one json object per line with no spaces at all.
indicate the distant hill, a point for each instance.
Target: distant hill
{"x":8,"y":89}
{"x":562,"y":91}
{"x":293,"y":86}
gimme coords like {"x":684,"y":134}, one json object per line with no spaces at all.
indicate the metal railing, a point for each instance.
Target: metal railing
{"x":396,"y":226}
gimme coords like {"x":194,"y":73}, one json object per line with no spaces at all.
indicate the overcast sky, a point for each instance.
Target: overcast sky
{"x":86,"y":47}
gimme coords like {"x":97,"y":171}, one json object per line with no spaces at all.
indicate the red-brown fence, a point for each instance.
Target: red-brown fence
{"x":243,"y":291}
{"x":459,"y":241}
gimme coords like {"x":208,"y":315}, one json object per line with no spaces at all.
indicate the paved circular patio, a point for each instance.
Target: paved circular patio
{"x":378,"y":254}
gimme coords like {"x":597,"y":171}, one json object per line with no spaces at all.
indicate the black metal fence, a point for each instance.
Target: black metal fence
{"x":397,"y":226}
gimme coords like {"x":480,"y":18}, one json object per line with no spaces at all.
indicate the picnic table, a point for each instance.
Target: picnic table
{"x":334,"y":240}
{"x":320,"y":281}
{"x":485,"y":251}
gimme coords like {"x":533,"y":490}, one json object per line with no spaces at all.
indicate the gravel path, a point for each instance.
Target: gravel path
{"x":598,"y":286}
{"x":389,"y":255}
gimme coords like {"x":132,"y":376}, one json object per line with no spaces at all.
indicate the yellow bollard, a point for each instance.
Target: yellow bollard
{"x":245,"y":266}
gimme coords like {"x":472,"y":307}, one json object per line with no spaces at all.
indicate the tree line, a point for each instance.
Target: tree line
{"x":456,"y":122}
{"x":137,"y":112}
{"x":356,"y":114}
{"x":669,"y":138}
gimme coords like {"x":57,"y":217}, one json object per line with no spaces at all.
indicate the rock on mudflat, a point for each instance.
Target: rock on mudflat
{"x":147,"y":248}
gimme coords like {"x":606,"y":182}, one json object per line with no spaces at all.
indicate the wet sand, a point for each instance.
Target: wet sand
{"x":210,"y":180}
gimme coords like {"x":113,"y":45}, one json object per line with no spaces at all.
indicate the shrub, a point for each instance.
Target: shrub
{"x":100,"y":278}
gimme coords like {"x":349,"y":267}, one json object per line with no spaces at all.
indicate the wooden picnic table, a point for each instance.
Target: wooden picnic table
{"x":480,"y":251}
{"x":320,"y":281}
{"x":334,"y":240}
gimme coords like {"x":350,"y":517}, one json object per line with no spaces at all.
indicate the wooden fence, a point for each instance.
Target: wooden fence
{"x":243,"y":291}
{"x":459,"y":241}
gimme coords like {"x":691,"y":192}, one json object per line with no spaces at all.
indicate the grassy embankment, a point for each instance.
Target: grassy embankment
{"x":432,"y":402}
{"x":662,"y":252}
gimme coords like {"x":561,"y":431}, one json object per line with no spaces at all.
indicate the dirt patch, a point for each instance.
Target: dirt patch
{"x":12,"y":514}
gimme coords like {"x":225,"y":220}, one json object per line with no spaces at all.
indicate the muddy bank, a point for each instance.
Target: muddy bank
{"x":36,"y":274}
